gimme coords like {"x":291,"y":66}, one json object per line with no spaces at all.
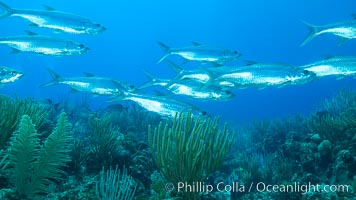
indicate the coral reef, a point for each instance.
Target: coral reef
{"x":316,"y":149}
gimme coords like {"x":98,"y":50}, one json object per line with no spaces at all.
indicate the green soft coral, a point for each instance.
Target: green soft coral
{"x":22,"y":154}
{"x":33,"y":166}
{"x":54,"y":156}
{"x":190,"y":149}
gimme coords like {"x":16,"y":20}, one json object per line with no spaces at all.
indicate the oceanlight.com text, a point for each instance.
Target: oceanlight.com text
{"x":294,"y":187}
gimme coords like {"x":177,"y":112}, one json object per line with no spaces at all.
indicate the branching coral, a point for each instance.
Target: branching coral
{"x":337,"y":122}
{"x":190,"y":149}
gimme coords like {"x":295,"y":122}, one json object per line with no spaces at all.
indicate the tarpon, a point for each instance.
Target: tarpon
{"x":45,"y":45}
{"x":53,"y":19}
{"x":164,"y":106}
{"x":190,"y":88}
{"x":339,"y":66}
{"x":197,"y":75}
{"x":92,"y":84}
{"x":199,"y":52}
{"x":8,"y":75}
{"x":262,"y":75}
{"x":346,"y":30}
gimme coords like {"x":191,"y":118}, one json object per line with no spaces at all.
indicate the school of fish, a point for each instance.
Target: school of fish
{"x":211,"y":80}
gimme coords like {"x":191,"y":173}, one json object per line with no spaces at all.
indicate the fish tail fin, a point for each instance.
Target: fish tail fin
{"x":151,"y":80}
{"x":116,"y":98}
{"x":121,"y":97}
{"x":175,"y":67}
{"x":313,"y":31}
{"x":55,"y":78}
{"x":167,"y":51}
{"x":6,"y":10}
{"x":210,"y":82}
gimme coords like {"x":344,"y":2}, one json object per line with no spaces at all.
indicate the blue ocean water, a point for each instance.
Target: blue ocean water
{"x":263,"y":31}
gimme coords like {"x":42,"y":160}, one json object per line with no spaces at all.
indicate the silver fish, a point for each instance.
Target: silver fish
{"x":346,"y":30}
{"x":8,"y":75}
{"x":202,"y":75}
{"x":190,"y":88}
{"x":197,"y":75}
{"x":340,"y":66}
{"x":203,"y":53}
{"x":263,"y":75}
{"x":53,"y":19}
{"x":44,"y":45}
{"x":92,"y":84}
{"x":164,"y":106}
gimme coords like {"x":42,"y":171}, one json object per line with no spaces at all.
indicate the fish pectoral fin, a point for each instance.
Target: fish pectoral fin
{"x":72,"y":90}
{"x":196,"y":44}
{"x":15,"y":51}
{"x":326,"y":56}
{"x":340,"y":77}
{"x":215,"y":64}
{"x":281,"y":86}
{"x":159,"y":93}
{"x":185,"y":61}
{"x":49,"y":8}
{"x":262,"y":87}
{"x":30,"y":33}
{"x":89,"y":74}
{"x":343,"y":41}
{"x":33,"y":25}
{"x":250,"y":62}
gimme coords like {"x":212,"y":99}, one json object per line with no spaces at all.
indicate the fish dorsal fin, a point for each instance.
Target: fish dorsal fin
{"x":49,"y":8}
{"x":30,"y":33}
{"x":196,"y":44}
{"x":88,"y":74}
